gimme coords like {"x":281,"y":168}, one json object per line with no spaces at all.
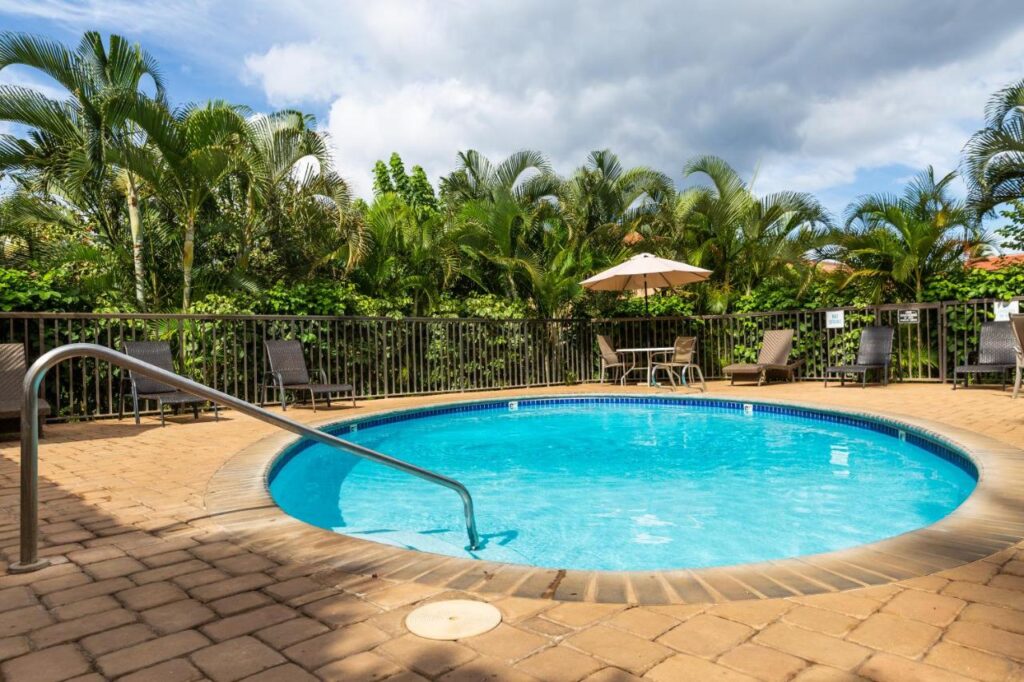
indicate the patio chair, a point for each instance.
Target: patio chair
{"x":612,"y":359}
{"x":12,"y":376}
{"x":1017,"y":325}
{"x":995,"y":354}
{"x":288,"y":372}
{"x":873,"y":352}
{"x":773,"y":359}
{"x":680,"y":360}
{"x":158,"y":354}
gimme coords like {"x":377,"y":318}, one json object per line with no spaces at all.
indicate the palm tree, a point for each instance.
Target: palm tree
{"x":994,"y":156}
{"x":496,"y":235}
{"x":185,"y":155}
{"x":70,"y":140}
{"x":526,"y":175}
{"x":602,"y":201}
{"x":281,"y":155}
{"x":555,"y":286}
{"x":401,"y":255}
{"x":744,"y":239}
{"x":903,"y":242}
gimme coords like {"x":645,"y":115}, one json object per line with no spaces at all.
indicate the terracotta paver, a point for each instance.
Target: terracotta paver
{"x":147,"y":585}
{"x":236,"y":659}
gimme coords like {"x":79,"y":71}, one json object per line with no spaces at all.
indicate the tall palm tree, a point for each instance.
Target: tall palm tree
{"x":70,"y":140}
{"x":185,"y":155}
{"x":902,"y":242}
{"x":994,"y":156}
{"x":744,"y":239}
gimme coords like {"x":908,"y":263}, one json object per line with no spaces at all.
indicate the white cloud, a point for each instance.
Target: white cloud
{"x":815,"y":94}
{"x":429,"y":122}
{"x":298,"y":72}
{"x":919,"y":117}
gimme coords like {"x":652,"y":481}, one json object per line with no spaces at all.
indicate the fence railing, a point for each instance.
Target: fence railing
{"x":384,"y":357}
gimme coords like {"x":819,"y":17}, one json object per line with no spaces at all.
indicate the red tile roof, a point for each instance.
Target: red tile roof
{"x":996,"y":262}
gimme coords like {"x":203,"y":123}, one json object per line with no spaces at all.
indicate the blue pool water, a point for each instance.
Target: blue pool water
{"x":626,"y":486}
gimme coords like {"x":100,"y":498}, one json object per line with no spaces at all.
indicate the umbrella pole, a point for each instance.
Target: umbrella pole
{"x":647,"y":314}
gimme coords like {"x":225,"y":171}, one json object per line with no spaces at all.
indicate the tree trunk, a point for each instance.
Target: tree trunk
{"x":187,"y":257}
{"x":135,"y":221}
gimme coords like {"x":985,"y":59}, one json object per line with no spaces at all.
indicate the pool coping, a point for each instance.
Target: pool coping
{"x":988,"y":521}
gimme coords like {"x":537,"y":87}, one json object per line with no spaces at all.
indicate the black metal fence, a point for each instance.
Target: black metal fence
{"x":391,"y":357}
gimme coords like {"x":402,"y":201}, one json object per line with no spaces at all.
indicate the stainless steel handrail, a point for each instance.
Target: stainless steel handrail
{"x":30,"y":560}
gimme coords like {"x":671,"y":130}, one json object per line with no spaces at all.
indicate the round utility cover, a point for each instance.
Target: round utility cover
{"x":453,"y":619}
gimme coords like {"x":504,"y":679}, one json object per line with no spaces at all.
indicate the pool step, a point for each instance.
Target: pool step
{"x":446,"y":543}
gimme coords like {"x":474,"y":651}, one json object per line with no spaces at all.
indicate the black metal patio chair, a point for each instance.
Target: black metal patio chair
{"x":288,"y":372}
{"x":995,"y":354}
{"x":874,"y":352}
{"x":158,"y":354}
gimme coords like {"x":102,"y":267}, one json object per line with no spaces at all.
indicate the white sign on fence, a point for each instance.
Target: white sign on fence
{"x":835,"y":319}
{"x":1003,"y":310}
{"x":908,"y":316}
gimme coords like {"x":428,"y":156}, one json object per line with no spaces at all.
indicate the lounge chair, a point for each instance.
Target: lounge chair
{"x":288,"y":372}
{"x":12,"y":377}
{"x":680,"y":360}
{"x":1017,"y":325}
{"x":995,"y":354}
{"x":772,"y":359}
{"x":874,"y":352}
{"x":158,"y":354}
{"x":612,"y":359}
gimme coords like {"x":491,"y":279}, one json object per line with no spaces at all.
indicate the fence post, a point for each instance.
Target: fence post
{"x":942,"y":340}
{"x":387,"y":361}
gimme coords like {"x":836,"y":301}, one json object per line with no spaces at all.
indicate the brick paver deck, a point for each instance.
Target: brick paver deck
{"x":148,"y":585}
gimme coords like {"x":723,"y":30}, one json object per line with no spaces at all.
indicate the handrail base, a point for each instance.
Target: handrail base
{"x":19,"y":567}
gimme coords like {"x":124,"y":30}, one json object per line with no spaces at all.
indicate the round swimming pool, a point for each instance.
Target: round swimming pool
{"x":633,"y":483}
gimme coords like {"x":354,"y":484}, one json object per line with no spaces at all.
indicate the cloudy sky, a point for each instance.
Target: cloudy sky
{"x":838,"y":97}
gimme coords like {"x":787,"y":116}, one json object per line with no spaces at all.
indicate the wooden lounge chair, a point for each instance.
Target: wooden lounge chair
{"x":873,"y":352}
{"x":773,"y":359}
{"x":995,"y":354}
{"x":158,"y":354}
{"x":288,"y":372}
{"x":680,"y":360}
{"x":12,"y":377}
{"x":612,"y":359}
{"x":1017,"y":325}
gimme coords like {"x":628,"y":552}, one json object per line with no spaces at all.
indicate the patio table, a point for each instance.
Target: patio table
{"x":650,"y":355}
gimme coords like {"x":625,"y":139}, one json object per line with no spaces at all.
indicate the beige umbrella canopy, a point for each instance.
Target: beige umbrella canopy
{"x":646,"y":271}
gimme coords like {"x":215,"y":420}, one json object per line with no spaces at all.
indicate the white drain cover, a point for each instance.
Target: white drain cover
{"x":453,"y":619}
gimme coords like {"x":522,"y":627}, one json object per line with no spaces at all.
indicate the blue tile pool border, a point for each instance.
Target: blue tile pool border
{"x":931,"y":443}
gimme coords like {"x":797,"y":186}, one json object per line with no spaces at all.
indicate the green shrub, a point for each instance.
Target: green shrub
{"x":28,"y":292}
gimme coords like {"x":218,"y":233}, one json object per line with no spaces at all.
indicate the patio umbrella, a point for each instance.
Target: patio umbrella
{"x":646,"y":271}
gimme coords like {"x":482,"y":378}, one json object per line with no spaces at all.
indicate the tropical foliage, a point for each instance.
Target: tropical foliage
{"x":113,"y":198}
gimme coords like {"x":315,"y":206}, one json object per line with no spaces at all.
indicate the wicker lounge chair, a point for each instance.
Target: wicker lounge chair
{"x":680,"y":360}
{"x":873,"y":352}
{"x":1017,"y":325}
{"x":772,"y":360}
{"x":158,"y":354}
{"x":612,"y":359}
{"x":995,"y":353}
{"x":288,"y":372}
{"x":12,"y":377}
